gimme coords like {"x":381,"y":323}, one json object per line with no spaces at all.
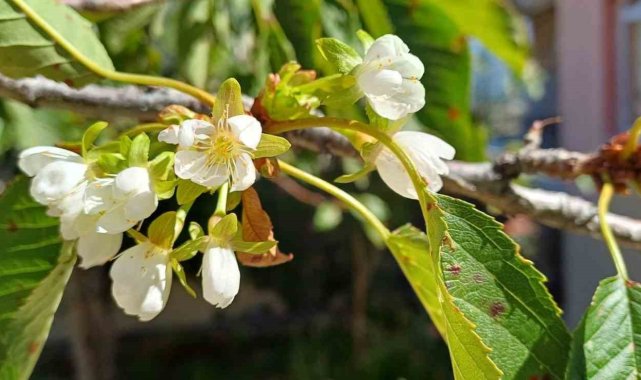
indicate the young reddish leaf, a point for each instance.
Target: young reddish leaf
{"x":258,"y":227}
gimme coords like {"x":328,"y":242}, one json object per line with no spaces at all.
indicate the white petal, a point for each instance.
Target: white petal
{"x":115,"y":220}
{"x":141,"y":281}
{"x":379,"y":82}
{"x":99,"y":196}
{"x":188,"y":163}
{"x":73,"y":202}
{"x":420,"y":141}
{"x":169,"y":135}
{"x":141,"y":206}
{"x":247,"y":129}
{"x":72,"y":226}
{"x":199,"y":127}
{"x":32,"y":160}
{"x":56,"y":180}
{"x":245,"y":173}
{"x":385,"y":46}
{"x":408,"y":65}
{"x":395,"y":105}
{"x":394,"y":175}
{"x":132,"y":181}
{"x":221,"y":276}
{"x":96,"y":249}
{"x":212,"y":176}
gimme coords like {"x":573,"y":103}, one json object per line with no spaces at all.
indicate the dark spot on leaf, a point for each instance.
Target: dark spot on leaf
{"x":453,"y":113}
{"x":496,"y":309}
{"x":630,"y":283}
{"x":33,"y":348}
{"x":454,"y":269}
{"x":56,"y":66}
{"x":12,"y":226}
{"x":479,"y":279}
{"x":68,"y":82}
{"x":430,"y":206}
{"x":446,"y":241}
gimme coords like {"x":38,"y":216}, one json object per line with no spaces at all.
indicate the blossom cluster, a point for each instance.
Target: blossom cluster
{"x":112,"y":189}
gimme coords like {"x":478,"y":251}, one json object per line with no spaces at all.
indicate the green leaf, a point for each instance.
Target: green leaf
{"x":182,"y":278}
{"x":195,"y":230}
{"x":229,"y":99}
{"x":366,"y":39}
{"x":224,"y":229}
{"x":493,"y":23}
{"x":162,"y":166}
{"x":189,"y":249}
{"x":112,"y":163}
{"x":26,"y":51}
{"x":502,"y":294}
{"x":376,"y":18}
{"x":254,"y":247}
{"x":327,"y":216}
{"x":33,"y":273}
{"x":161,"y":230}
{"x":271,"y":146}
{"x":91,"y":134}
{"x":187,"y":191}
{"x":607,"y":343}
{"x":139,"y":150}
{"x":342,"y":56}
{"x":301,"y":21}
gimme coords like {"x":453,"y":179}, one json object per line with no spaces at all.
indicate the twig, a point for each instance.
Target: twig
{"x":488,"y":183}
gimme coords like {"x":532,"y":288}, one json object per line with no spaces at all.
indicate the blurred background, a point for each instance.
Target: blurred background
{"x":342,"y":309}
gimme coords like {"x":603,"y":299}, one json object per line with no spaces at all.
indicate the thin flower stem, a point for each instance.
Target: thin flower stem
{"x":424,"y":197}
{"x":604,"y":204}
{"x":221,"y":205}
{"x":181,"y":216}
{"x":633,"y":140}
{"x":148,"y":80}
{"x":356,"y":206}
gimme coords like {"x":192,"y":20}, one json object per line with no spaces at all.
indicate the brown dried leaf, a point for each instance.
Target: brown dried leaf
{"x":267,"y":167}
{"x":257,"y":226}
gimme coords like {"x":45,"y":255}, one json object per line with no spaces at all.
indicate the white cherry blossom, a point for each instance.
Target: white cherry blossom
{"x":212,"y":155}
{"x":221,"y":276}
{"x":426,"y":151}
{"x":142,"y":280}
{"x":390,"y":78}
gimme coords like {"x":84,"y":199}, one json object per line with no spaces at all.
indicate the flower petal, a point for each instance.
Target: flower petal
{"x":96,"y":249}
{"x":99,"y":196}
{"x":170,"y":134}
{"x":395,"y":105}
{"x":141,"y":281}
{"x":221,"y":276}
{"x":57,"y":180}
{"x":32,"y":160}
{"x":247,"y":129}
{"x":115,"y":220}
{"x":141,"y":206}
{"x":386,"y":46}
{"x":132,"y":181}
{"x":188,"y":163}
{"x":244,"y":174}
{"x":212,"y":176}
{"x":392,"y":172}
{"x":420,"y":141}
{"x":379,"y":82}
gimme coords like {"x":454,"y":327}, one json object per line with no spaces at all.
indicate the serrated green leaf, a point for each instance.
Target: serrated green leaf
{"x":229,"y":100}
{"x":91,"y":134}
{"x":271,"y":146}
{"x":26,"y":51}
{"x":342,"y":56}
{"x":502,"y":294}
{"x":33,"y":273}
{"x":179,"y":271}
{"x":139,"y":150}
{"x":254,"y":247}
{"x":607,"y":343}
{"x":161,"y":230}
{"x":187,"y":191}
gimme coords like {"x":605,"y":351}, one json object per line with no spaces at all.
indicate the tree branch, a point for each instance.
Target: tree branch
{"x":489,"y":183}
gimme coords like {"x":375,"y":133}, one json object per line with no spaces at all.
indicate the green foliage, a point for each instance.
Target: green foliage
{"x":271,"y":146}
{"x":502,"y":294}
{"x":90,"y":136}
{"x":33,"y":274}
{"x":26,"y":51}
{"x":187,"y":191}
{"x":229,"y":101}
{"x":606,"y":344}
{"x":139,"y":150}
{"x":342,"y":56}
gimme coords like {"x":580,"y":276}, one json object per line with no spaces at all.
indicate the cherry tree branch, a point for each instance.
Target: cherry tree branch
{"x":489,"y":183}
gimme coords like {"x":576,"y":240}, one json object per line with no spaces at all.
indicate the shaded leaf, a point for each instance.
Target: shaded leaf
{"x":257,"y":227}
{"x":187,"y":191}
{"x":33,"y":273}
{"x":161,"y":230}
{"x":26,"y":51}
